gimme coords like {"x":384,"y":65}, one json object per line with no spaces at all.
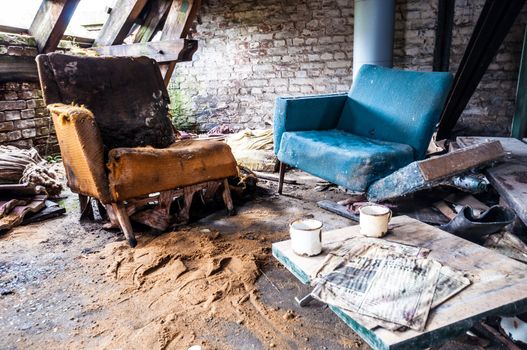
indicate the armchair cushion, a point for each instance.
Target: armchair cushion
{"x":395,"y":105}
{"x":319,"y":112}
{"x":345,"y":159}
{"x":139,"y":171}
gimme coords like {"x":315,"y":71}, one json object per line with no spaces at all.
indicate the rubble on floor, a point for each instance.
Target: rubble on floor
{"x":26,"y":183}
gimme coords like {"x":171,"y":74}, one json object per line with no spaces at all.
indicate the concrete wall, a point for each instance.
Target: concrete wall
{"x":252,"y":51}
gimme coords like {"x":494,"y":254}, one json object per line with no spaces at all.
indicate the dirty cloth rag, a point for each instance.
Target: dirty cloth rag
{"x":254,"y":149}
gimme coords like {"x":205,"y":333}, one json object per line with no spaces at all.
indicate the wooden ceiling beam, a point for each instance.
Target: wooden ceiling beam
{"x":157,"y":13}
{"x":120,"y":21}
{"x":180,"y":50}
{"x":50,"y":23}
{"x":177,"y":25}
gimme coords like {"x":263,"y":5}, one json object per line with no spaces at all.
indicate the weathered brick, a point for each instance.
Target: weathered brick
{"x":12,"y":115}
{"x":29,"y":133}
{"x":10,"y":105}
{"x":6,"y":126}
{"x":24,"y":124}
{"x":14,"y":135}
{"x":27,"y":113}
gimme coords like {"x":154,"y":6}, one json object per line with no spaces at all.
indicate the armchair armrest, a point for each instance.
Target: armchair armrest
{"x":303,"y":113}
{"x":82,"y":150}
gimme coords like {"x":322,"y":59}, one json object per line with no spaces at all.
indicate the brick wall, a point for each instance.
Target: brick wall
{"x":252,"y":51}
{"x":24,"y":119}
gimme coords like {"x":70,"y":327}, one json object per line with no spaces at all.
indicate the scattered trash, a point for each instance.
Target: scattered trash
{"x":515,"y":329}
{"x":19,"y":165}
{"x":474,"y":227}
{"x":432,"y":172}
{"x":507,"y":244}
{"x":470,"y":183}
{"x":509,"y":178}
{"x":20,"y":201}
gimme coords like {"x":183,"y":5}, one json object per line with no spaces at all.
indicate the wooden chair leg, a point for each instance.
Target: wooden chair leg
{"x":227,"y":199}
{"x":281,"y":177}
{"x":124,"y":221}
{"x":86,"y":208}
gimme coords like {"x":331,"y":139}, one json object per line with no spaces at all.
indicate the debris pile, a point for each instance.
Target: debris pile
{"x":26,"y":182}
{"x":26,"y":166}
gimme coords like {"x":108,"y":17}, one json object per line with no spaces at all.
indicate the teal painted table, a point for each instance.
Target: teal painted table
{"x":499,"y":284}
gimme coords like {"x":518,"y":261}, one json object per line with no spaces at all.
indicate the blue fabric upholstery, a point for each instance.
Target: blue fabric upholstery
{"x":384,"y":123}
{"x":321,"y":112}
{"x":345,"y":159}
{"x":396,"y":105}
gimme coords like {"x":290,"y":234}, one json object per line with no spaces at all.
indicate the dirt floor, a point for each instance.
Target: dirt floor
{"x":69,"y":284}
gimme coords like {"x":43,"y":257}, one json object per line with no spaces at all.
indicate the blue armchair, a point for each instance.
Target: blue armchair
{"x":385,"y":122}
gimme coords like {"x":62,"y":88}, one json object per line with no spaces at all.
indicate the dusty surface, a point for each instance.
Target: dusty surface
{"x":66,"y":284}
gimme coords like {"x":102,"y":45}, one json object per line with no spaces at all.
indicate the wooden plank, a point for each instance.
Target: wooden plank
{"x":157,"y":13}
{"x":180,"y":50}
{"x":509,"y":178}
{"x":337,"y":209}
{"x":461,"y":160}
{"x":430,"y":172}
{"x":50,"y":23}
{"x":499,"y":284}
{"x":121,"y":19}
{"x":180,"y":18}
{"x":18,"y":68}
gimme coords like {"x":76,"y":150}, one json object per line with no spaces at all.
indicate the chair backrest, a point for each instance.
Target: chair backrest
{"x":126,"y":95}
{"x":395,"y":105}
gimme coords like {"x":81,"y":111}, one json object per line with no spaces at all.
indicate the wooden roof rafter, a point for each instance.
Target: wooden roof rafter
{"x":50,"y":23}
{"x":173,"y":18}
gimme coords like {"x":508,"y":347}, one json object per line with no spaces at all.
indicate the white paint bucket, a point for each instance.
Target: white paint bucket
{"x":306,"y":237}
{"x":374,"y":220}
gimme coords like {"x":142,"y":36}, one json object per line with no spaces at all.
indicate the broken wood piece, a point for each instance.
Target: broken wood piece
{"x":445,"y":209}
{"x":464,"y":199}
{"x":49,"y":212}
{"x":507,"y":244}
{"x":8,"y":205}
{"x":17,"y":214}
{"x":489,"y":332}
{"x":431,"y":172}
{"x":155,"y":218}
{"x":274,"y":178}
{"x":338,"y":209}
{"x":509,"y":178}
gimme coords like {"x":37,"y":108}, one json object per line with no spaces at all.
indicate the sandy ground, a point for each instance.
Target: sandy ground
{"x":68,"y":284}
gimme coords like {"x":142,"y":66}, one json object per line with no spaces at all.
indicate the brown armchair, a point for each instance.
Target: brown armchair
{"x":118,"y":144}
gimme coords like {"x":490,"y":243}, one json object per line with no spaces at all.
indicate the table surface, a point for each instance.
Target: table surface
{"x":499,"y":284}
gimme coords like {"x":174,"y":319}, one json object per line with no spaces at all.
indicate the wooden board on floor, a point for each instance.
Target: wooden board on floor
{"x":510,"y":177}
{"x":499,"y":284}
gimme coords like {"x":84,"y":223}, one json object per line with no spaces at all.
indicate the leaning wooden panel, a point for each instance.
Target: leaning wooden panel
{"x":499,"y":284}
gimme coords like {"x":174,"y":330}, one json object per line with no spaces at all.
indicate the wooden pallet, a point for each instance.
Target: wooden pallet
{"x":499,"y":284}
